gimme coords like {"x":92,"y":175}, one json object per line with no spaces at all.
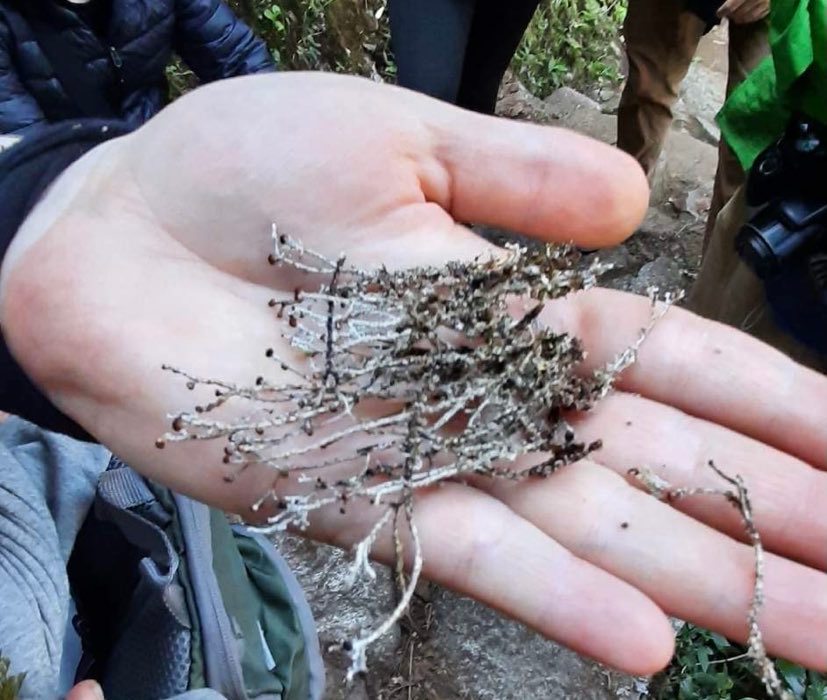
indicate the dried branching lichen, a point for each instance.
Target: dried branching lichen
{"x":738,"y":496}
{"x":407,"y":379}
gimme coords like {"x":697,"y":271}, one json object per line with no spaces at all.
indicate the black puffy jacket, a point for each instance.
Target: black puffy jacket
{"x":128,"y":66}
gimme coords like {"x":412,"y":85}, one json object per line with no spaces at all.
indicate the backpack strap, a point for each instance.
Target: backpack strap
{"x":124,"y":499}
{"x":173,"y":598}
{"x":132,"y":617}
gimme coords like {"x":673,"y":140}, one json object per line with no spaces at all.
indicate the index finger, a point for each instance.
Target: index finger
{"x":729,"y":7}
{"x":705,"y":369}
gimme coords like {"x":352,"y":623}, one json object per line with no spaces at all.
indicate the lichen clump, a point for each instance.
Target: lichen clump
{"x":406,"y":379}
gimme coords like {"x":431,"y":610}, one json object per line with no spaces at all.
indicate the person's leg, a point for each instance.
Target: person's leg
{"x":47,"y":483}
{"x":748,"y":46}
{"x":496,"y":31}
{"x":661,"y":40}
{"x":429,"y":39}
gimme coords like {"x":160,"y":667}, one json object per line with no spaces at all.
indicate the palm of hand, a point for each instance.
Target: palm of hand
{"x":168,"y":242}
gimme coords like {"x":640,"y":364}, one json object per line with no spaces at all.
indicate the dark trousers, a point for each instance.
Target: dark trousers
{"x":457,"y":50}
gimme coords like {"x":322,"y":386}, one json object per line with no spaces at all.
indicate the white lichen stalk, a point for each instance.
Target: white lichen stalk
{"x":404,"y":380}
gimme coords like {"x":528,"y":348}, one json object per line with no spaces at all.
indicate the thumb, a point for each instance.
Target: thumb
{"x":87,"y":690}
{"x":545,"y":182}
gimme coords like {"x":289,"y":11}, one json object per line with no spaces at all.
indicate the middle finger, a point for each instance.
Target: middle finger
{"x":689,"y":569}
{"x":789,"y":497}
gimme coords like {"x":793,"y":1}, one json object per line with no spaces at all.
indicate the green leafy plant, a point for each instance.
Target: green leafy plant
{"x":346,"y":36}
{"x":276,"y":21}
{"x":180,"y":79}
{"x":707,"y":666}
{"x":571,"y":42}
{"x":804,"y":684}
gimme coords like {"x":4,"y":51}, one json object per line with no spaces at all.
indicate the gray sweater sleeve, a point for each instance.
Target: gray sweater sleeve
{"x":47,"y":484}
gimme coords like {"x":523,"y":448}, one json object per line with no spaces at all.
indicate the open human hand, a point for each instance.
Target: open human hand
{"x":744,"y":11}
{"x":152,"y":249}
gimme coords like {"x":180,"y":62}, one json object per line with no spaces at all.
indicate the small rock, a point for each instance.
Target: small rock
{"x":611,"y":105}
{"x":515,"y":101}
{"x":565,"y":101}
{"x":618,"y":257}
{"x":663,"y":273}
{"x":690,"y":163}
{"x":695,"y":202}
{"x":497,"y":659}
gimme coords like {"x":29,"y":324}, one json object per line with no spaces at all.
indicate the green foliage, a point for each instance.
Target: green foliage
{"x":709,"y":667}
{"x":805,"y":685}
{"x":347,"y":36}
{"x":180,"y":79}
{"x":571,"y":42}
{"x":9,"y":685}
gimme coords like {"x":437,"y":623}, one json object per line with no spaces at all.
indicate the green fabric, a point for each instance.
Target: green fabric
{"x":279,"y":619}
{"x":792,"y":79}
{"x":253,"y":593}
{"x":244,"y":606}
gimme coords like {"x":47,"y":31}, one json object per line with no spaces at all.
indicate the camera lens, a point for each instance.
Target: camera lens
{"x":756,"y":252}
{"x":780,"y":232}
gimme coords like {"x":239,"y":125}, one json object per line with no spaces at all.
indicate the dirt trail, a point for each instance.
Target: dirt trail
{"x":666,"y":250}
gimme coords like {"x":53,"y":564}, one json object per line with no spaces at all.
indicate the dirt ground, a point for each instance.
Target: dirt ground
{"x":666,"y":250}
{"x":450,"y":647}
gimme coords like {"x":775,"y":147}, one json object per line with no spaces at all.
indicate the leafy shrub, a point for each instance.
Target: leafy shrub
{"x":347,"y":36}
{"x":571,"y":42}
{"x":707,"y":666}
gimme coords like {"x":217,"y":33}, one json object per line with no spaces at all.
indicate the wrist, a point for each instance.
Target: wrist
{"x":81,"y":187}
{"x":43,"y":246}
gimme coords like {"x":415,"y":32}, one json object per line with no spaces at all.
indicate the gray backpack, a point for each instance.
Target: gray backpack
{"x":170,"y":597}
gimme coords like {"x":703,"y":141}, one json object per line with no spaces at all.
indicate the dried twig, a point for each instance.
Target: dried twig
{"x":408,"y":379}
{"x":739,"y":497}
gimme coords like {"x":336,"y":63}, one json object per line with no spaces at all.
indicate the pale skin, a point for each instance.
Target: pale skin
{"x":152,"y":249}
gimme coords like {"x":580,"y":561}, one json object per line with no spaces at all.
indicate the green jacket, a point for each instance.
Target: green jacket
{"x":793,"y":78}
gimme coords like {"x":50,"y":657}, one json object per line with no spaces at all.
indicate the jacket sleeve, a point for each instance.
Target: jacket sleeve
{"x":19,"y":111}
{"x":27,"y":169}
{"x":215,"y":43}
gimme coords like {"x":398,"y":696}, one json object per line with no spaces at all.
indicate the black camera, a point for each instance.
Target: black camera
{"x":788,"y":183}
{"x":785,"y":240}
